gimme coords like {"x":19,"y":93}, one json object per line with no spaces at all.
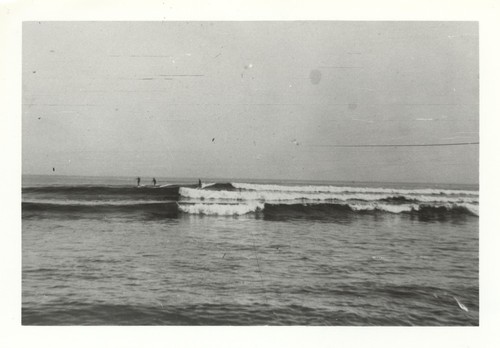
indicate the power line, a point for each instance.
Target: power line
{"x":399,"y":145}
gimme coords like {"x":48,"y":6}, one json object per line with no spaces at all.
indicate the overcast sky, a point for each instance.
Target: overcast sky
{"x":257,"y":100}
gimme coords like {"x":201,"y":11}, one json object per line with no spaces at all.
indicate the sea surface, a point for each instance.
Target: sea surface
{"x":102,"y":251}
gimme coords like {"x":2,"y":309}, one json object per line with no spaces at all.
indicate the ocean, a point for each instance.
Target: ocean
{"x":102,"y":251}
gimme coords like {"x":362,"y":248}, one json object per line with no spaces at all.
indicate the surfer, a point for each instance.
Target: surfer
{"x":154,"y":182}
{"x":138,"y":181}
{"x":199,"y":183}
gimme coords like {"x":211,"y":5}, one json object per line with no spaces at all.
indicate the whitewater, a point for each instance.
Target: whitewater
{"x":244,"y":198}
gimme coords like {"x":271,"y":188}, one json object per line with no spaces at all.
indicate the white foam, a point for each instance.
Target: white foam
{"x":401,"y":208}
{"x":277,"y":196}
{"x":440,"y":199}
{"x":362,"y":207}
{"x":220,"y":209}
{"x":396,"y":209}
{"x":340,"y":189}
{"x":472,"y":208}
{"x":242,"y":208}
{"x":461,"y":305}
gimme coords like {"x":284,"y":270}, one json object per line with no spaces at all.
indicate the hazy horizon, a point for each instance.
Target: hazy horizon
{"x":147,"y":180}
{"x":252,"y":100}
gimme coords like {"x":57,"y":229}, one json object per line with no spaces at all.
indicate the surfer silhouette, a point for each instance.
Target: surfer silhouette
{"x":199,"y":183}
{"x":138,"y":181}
{"x":154,"y":182}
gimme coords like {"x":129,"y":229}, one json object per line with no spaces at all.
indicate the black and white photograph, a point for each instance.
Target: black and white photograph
{"x":250,"y":173}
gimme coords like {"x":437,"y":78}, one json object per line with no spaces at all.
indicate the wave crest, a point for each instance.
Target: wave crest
{"x":278,"y":196}
{"x":347,"y":189}
{"x":322,"y":210}
{"x":220,"y":209}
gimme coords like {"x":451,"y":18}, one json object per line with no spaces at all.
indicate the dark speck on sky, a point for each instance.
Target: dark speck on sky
{"x":315,"y":77}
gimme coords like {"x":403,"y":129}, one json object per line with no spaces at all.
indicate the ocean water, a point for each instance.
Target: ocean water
{"x":101,"y":251}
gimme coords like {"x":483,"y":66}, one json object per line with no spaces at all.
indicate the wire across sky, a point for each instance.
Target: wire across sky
{"x":398,"y":145}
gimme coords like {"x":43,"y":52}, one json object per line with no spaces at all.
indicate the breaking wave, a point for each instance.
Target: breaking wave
{"x":241,"y":199}
{"x":220,"y":209}
{"x":277,"y":196}
{"x":346,"y":189}
{"x":323,"y":210}
{"x":319,"y":201}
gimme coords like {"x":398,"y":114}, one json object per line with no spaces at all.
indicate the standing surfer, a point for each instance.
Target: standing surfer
{"x":138,"y":181}
{"x":154,"y":182}
{"x":199,"y":183}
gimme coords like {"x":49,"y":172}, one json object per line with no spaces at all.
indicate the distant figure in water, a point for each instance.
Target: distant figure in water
{"x":138,"y":181}
{"x":154,"y":182}
{"x":199,"y":183}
